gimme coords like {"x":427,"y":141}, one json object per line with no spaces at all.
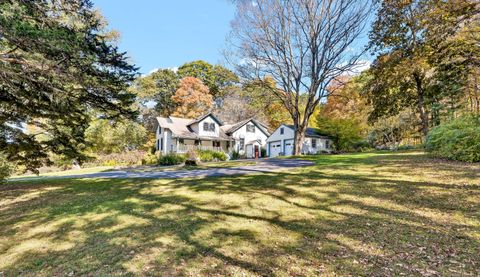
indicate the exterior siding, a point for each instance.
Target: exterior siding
{"x":288,"y":135}
{"x":202,"y":132}
{"x":242,"y":133}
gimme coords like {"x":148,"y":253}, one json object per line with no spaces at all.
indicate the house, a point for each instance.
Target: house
{"x":281,"y":142}
{"x":179,"y":135}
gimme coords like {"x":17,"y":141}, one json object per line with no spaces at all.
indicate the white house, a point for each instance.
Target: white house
{"x":179,"y":135}
{"x":281,"y":142}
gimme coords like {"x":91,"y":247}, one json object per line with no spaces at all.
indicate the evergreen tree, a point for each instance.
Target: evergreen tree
{"x":58,"y":64}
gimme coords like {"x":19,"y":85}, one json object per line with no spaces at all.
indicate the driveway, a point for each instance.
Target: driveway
{"x":263,"y":166}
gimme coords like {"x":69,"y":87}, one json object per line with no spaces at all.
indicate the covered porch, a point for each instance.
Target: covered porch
{"x":220,"y":145}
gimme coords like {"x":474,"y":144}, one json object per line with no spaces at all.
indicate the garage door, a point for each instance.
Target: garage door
{"x":275,"y":148}
{"x":288,"y":147}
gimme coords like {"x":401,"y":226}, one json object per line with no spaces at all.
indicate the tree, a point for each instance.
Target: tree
{"x":268,"y":106}
{"x":57,"y":65}
{"x":345,"y":114}
{"x":388,"y":132}
{"x":303,"y":45}
{"x":158,"y":88}
{"x":105,"y":137}
{"x":408,"y":36}
{"x":216,"y":77}
{"x":192,"y":98}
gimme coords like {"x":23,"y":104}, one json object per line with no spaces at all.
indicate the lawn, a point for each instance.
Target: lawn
{"x":138,"y":168}
{"x":360,"y":214}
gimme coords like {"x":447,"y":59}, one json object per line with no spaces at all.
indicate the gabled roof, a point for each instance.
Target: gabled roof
{"x":205,"y":116}
{"x":229,"y":129}
{"x":180,"y":128}
{"x":311,"y":132}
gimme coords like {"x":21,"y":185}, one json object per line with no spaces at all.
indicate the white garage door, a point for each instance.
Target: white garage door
{"x":288,"y":147}
{"x":275,"y":148}
{"x":249,"y":151}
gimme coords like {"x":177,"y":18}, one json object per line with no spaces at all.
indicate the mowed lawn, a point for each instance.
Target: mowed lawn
{"x":360,"y":214}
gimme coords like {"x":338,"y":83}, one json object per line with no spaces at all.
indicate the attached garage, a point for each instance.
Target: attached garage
{"x":275,"y":148}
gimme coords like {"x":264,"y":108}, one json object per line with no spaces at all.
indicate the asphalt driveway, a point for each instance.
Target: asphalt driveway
{"x":266,"y":165}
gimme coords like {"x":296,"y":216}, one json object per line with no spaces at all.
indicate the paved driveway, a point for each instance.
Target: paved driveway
{"x":267,"y":165}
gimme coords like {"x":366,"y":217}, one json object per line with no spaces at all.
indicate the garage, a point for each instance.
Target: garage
{"x":289,"y":147}
{"x":275,"y":148}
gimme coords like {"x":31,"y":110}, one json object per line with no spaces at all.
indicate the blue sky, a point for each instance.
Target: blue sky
{"x":168,"y":33}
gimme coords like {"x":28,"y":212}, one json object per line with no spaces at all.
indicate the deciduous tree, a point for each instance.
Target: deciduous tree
{"x":302,"y":44}
{"x":193,"y":98}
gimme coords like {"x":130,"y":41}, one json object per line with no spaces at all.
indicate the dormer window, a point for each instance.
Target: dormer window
{"x":209,"y":127}
{"x":250,"y":128}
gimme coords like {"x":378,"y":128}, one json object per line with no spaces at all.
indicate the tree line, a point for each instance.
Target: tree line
{"x":65,"y":83}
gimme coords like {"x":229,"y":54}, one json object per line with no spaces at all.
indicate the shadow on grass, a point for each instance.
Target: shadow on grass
{"x":317,"y":221}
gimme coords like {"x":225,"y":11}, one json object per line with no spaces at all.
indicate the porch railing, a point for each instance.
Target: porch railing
{"x":184,"y":148}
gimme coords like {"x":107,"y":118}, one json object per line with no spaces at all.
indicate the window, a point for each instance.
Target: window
{"x":161,"y":144}
{"x":216,"y":144}
{"x":281,"y":131}
{"x":250,"y":128}
{"x":158,"y":144}
{"x":159,"y":130}
{"x":181,"y":141}
{"x":327,"y":144}
{"x":314,"y":143}
{"x":209,"y":127}
{"x":242,"y":143}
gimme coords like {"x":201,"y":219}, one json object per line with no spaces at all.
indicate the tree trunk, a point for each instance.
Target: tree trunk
{"x":421,"y":104}
{"x":298,"y":139}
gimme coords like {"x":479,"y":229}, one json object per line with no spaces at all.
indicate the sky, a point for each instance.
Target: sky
{"x":169,"y":33}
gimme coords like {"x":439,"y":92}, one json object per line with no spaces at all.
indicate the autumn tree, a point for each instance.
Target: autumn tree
{"x":216,"y":77}
{"x":192,"y":98}
{"x":302,"y":44}
{"x":157,"y":88}
{"x":419,"y":63}
{"x":344,"y":116}
{"x":57,"y":64}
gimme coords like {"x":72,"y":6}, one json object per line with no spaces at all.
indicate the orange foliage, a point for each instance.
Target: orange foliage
{"x":193,"y":98}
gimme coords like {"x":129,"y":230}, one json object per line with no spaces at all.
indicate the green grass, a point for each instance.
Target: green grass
{"x":98,"y":169}
{"x":87,"y":170}
{"x":360,"y":214}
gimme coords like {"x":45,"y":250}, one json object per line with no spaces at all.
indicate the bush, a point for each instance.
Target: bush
{"x":150,"y":159}
{"x":172,"y":159}
{"x":219,"y":156}
{"x":405,"y":147}
{"x":235,"y":155}
{"x":209,"y":155}
{"x":458,"y":139}
{"x":6,"y":169}
{"x":115,"y":159}
{"x":263,"y":152}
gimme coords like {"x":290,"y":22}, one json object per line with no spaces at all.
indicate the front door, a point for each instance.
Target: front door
{"x":257,"y":152}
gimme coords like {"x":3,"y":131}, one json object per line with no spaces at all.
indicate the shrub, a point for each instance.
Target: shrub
{"x":172,"y":159}
{"x":210,"y":155}
{"x":124,"y":158}
{"x":6,"y":169}
{"x":405,"y":147}
{"x":150,"y":159}
{"x":235,"y":155}
{"x":263,"y":152}
{"x":458,"y":139}
{"x":219,"y":156}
